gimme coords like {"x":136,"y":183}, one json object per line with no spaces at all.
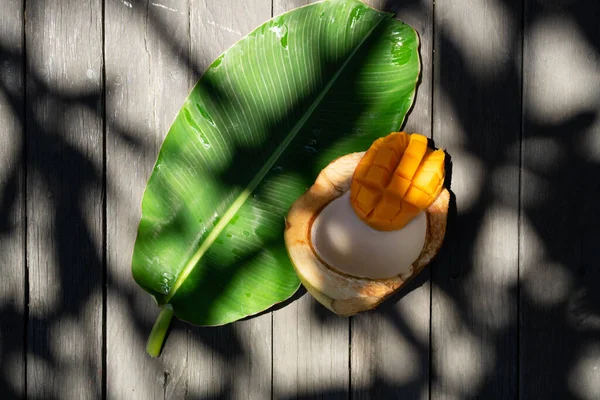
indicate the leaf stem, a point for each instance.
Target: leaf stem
{"x":159,"y":331}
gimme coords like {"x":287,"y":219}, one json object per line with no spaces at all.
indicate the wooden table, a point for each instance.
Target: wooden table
{"x":510,"y":309}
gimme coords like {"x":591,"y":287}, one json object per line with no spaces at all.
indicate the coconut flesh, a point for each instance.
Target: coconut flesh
{"x":345,"y":264}
{"x":342,"y":240}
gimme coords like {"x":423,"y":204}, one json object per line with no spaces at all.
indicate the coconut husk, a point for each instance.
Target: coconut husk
{"x":345,"y":294}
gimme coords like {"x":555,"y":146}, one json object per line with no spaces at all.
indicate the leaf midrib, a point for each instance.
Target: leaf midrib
{"x":243,"y":196}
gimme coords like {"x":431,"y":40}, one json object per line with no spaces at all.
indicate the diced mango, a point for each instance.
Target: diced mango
{"x":399,"y":185}
{"x":377,"y":177}
{"x":386,"y":158}
{"x":397,"y":141}
{"x":388,"y":205}
{"x":406,"y":214}
{"x":397,"y":178}
{"x":416,"y":196}
{"x":412,"y":157}
{"x":367,"y":198}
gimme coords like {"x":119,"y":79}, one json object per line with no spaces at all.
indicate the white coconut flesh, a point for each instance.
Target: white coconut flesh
{"x":347,"y":244}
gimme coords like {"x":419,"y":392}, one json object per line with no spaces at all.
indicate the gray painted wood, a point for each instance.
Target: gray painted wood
{"x":310,"y":350}
{"x":477,"y":114}
{"x":233,"y":361}
{"x":12,"y":217}
{"x":152,"y":62}
{"x":147,"y":80}
{"x":310,"y":344}
{"x":143,"y":98}
{"x":560,"y":302}
{"x":390,"y":346}
{"x":64,"y":198}
{"x":281,"y":6}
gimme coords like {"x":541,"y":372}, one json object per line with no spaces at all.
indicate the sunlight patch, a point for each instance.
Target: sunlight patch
{"x":414,"y":309}
{"x":44,"y":371}
{"x":378,"y":346}
{"x":69,"y":341}
{"x":532,"y":245}
{"x":13,"y":372}
{"x":468,"y":173}
{"x":484,"y":38}
{"x":125,"y":350}
{"x":46,"y":281}
{"x":584,"y":377}
{"x":463,"y":360}
{"x":566,"y":76}
{"x":495,"y":275}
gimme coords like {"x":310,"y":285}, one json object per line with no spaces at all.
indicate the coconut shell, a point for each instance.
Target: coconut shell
{"x":344,"y":294}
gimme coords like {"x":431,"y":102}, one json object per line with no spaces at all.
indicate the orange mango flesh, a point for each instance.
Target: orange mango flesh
{"x":397,"y":178}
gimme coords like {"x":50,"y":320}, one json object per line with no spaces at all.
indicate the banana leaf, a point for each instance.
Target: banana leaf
{"x":300,"y":90}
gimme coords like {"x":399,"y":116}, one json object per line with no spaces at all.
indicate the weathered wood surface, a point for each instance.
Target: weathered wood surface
{"x":64,"y":131}
{"x":233,"y":361}
{"x":390,"y":347}
{"x":560,"y":192}
{"x":477,"y":109}
{"x":174,"y":43}
{"x":147,"y":74}
{"x":312,"y":344}
{"x":12,"y":198}
{"x":509,"y":310}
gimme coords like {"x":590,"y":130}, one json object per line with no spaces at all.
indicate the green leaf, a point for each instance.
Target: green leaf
{"x":302,"y":89}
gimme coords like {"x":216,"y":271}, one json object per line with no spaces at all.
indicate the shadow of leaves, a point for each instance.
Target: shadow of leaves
{"x":489,"y":113}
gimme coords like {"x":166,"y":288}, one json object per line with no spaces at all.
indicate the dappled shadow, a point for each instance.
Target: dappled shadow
{"x":554,"y":203}
{"x":542,"y":175}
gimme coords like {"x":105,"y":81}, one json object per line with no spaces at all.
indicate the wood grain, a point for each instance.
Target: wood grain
{"x":390,"y":346}
{"x":477,"y":114}
{"x":560,"y":302}
{"x":12,"y":211}
{"x":147,"y":79}
{"x":64,"y":198}
{"x":281,"y":6}
{"x":238,"y":354}
{"x":310,"y":344}
{"x":512,"y":299}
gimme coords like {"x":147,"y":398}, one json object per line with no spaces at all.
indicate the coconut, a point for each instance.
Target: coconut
{"x":346,"y":265}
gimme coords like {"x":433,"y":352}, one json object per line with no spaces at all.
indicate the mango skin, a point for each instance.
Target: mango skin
{"x":398,"y":177}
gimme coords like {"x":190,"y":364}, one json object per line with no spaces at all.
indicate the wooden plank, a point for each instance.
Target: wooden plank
{"x":477,"y":118}
{"x":233,"y":361}
{"x":560,"y":302}
{"x":12,"y":217}
{"x":310,"y":351}
{"x":281,"y":6}
{"x":390,"y":346}
{"x":310,"y":344}
{"x":147,"y":79}
{"x":64,"y":198}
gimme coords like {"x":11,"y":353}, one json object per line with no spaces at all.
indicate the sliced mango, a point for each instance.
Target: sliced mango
{"x":397,"y":178}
